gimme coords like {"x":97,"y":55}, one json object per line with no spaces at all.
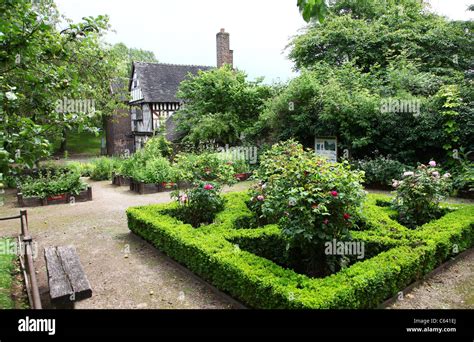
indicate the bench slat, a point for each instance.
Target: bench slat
{"x":59,"y":285}
{"x":66,"y":277}
{"x":76,"y":275}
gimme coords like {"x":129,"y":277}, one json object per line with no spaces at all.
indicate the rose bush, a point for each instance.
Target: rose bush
{"x":418,"y":194}
{"x":313,"y":201}
{"x":198,"y":205}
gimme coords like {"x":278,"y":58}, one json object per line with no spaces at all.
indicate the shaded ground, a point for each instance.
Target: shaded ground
{"x":124,"y":271}
{"x":452,"y":288}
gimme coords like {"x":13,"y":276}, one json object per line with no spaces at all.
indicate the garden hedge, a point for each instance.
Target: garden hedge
{"x":239,"y":261}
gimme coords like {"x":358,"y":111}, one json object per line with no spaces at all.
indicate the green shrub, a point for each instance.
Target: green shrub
{"x":200,"y":204}
{"x":84,"y":169}
{"x":207,"y":167}
{"x":463,"y":175}
{"x":312,"y":200}
{"x":52,"y":184}
{"x":380,"y":171}
{"x":418,"y":195}
{"x":103,"y":167}
{"x":220,"y":254}
{"x":155,"y":170}
{"x":158,"y":146}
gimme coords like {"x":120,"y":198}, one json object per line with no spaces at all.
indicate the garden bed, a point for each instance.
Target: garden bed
{"x":150,"y":188}
{"x":83,"y":196}
{"x":120,"y":180}
{"x":227,"y":257}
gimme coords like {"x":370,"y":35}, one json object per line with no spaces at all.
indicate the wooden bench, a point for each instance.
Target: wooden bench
{"x":67,"y":281}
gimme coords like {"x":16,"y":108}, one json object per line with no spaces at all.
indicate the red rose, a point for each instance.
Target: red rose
{"x":347,"y":216}
{"x":208,"y":187}
{"x":326,"y":221}
{"x":334,"y":193}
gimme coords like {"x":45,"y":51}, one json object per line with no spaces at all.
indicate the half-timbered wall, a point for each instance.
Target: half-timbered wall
{"x":135,"y":90}
{"x":162,"y":111}
{"x":141,"y":118}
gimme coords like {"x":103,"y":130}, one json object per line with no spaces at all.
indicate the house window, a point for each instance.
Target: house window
{"x":138,"y":114}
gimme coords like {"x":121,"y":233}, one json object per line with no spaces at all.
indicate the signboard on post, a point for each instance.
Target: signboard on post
{"x":326,"y":147}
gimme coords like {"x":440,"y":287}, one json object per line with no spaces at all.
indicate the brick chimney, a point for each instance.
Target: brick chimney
{"x":224,"y":54}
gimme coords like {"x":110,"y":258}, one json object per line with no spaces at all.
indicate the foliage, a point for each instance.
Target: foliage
{"x":199,"y":205}
{"x":83,"y":168}
{"x":203,"y":167}
{"x":102,"y":168}
{"x":313,"y":200}
{"x":220,"y":105}
{"x":156,"y":170}
{"x":6,"y":275}
{"x":367,"y":54}
{"x":214,"y":253}
{"x":40,"y":66}
{"x":418,"y":194}
{"x":49,"y":184}
{"x":380,"y":171}
{"x":463,"y":174}
{"x":125,"y":56}
{"x":313,"y":9}
{"x":158,"y":146}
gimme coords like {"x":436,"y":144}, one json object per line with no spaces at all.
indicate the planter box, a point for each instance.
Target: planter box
{"x":151,"y":188}
{"x":83,"y":196}
{"x":243,"y":176}
{"x":120,"y":180}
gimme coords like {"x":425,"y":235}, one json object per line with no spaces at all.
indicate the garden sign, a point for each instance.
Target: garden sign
{"x":326,"y":147}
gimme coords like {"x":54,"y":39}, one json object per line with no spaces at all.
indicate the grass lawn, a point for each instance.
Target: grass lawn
{"x":83,"y":143}
{"x":6,"y":278}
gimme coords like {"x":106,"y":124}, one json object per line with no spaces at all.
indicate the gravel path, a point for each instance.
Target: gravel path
{"x":451,"y":288}
{"x":125,"y":272}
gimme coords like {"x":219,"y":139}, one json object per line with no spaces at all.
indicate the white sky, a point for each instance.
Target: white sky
{"x":184,"y":31}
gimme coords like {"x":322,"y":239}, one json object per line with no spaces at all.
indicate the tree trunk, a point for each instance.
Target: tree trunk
{"x":63,"y":146}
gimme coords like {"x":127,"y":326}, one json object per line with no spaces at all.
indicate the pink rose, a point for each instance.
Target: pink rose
{"x":208,"y":187}
{"x":432,"y":163}
{"x":326,"y":221}
{"x":260,"y":198}
{"x":334,"y":193}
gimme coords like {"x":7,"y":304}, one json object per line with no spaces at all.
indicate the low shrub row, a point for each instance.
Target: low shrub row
{"x":227,"y":257}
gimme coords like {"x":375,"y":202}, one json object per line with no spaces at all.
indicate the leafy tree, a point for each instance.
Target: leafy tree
{"x":126,"y":56}
{"x":367,"y":54}
{"x":313,"y":9}
{"x":220,"y":105}
{"x":40,"y":66}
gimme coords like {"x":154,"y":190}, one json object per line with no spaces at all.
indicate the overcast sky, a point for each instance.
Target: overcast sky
{"x":184,"y":31}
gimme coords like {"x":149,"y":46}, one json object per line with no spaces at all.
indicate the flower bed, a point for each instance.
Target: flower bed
{"x":82,"y":196}
{"x":53,"y":188}
{"x":239,"y":261}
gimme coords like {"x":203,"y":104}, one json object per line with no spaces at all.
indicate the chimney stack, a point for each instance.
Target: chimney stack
{"x":224,"y":54}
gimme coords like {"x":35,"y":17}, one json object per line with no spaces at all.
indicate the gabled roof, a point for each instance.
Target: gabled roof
{"x":159,"y":82}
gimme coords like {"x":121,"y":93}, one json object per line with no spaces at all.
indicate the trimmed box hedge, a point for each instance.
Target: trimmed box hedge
{"x":227,"y":257}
